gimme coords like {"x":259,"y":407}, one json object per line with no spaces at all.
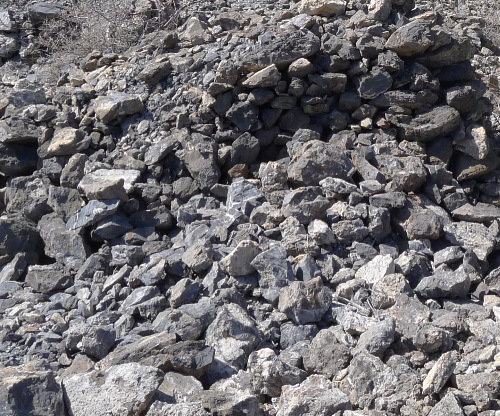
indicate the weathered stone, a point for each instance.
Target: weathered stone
{"x":48,"y":278}
{"x":440,"y":373}
{"x":244,"y":115}
{"x":28,"y":390}
{"x":413,"y":38}
{"x":475,"y":143}
{"x":267,"y":77}
{"x":92,"y":340}
{"x":376,"y":269}
{"x":322,"y":7}
{"x":448,"y":405}
{"x":458,"y":50}
{"x":305,"y":302}
{"x":315,"y":396}
{"x":18,"y":130}
{"x":439,"y":121}
{"x":9,"y":45}
{"x":238,"y":262}
{"x":471,"y":236}
{"x":109,"y":183}
{"x":374,"y":83}
{"x":108,"y":108}
{"x":92,"y":213}
{"x":67,"y":141}
{"x":445,"y":284}
{"x":125,"y":389}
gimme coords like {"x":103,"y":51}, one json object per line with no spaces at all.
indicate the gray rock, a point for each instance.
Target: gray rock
{"x":19,"y":235}
{"x":233,"y":335}
{"x":94,"y":341}
{"x":440,"y":121}
{"x":17,"y":159}
{"x":316,"y":160}
{"x":326,"y":355}
{"x":245,"y":149}
{"x":177,"y":409}
{"x":445,"y":284}
{"x":407,"y":99}
{"x":448,"y":256}
{"x":64,"y":201}
{"x":291,"y":334}
{"x":411,"y":39}
{"x":305,"y":204}
{"x":9,"y":45}
{"x":13,"y":270}
{"x":374,"y":83}
{"x":346,"y":232}
{"x":471,"y":236}
{"x":458,"y":50}
{"x":158,"y":151}
{"x":315,"y":396}
{"x":267,"y":77}
{"x":305,"y":302}
{"x":109,"y":183}
{"x":28,"y":390}
{"x":48,"y":278}
{"x":92,"y":213}
{"x":183,"y":292}
{"x":18,"y":130}
{"x":199,"y":256}
{"x":476,"y":213}
{"x":377,"y":338}
{"x":67,"y":141}
{"x":200,"y":158}
{"x":448,"y":405}
{"x":430,"y":338}
{"x":41,"y":11}
{"x":281,"y":51}
{"x":125,"y":389}
{"x":73,"y":172}
{"x":270,"y":373}
{"x":108,"y":108}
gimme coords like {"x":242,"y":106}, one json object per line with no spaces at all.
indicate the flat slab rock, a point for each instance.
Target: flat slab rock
{"x":108,"y":108}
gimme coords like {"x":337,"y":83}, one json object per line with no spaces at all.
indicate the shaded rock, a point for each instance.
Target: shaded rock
{"x":374,"y":83}
{"x":200,"y":158}
{"x":244,"y":150}
{"x":18,"y":130}
{"x":305,"y":302}
{"x":64,"y":201}
{"x":439,"y":121}
{"x":430,"y":338}
{"x":448,"y":405}
{"x":244,"y":115}
{"x":476,"y":213}
{"x":466,"y":167}
{"x":48,"y":278}
{"x":475,"y":143}
{"x":19,"y":235}
{"x":444,"y":284}
{"x":458,"y":50}
{"x":326,"y":355}
{"x":125,"y":389}
{"x":109,"y":183}
{"x":28,"y":390}
{"x":67,"y":141}
{"x":13,"y":270}
{"x":377,"y":338}
{"x":92,"y":213}
{"x":305,"y":204}
{"x":316,"y":160}
{"x":92,"y":340}
{"x":73,"y":172}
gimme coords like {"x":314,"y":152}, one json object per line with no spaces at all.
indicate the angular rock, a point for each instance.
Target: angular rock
{"x":48,"y":278}
{"x":92,"y":340}
{"x":445,"y":284}
{"x":439,"y":121}
{"x":109,"y":183}
{"x":125,"y":389}
{"x":440,"y":373}
{"x":201,"y":160}
{"x":28,"y":390}
{"x":92,"y":213}
{"x":471,"y":236}
{"x":376,"y":269}
{"x":67,"y":141}
{"x":411,"y":39}
{"x":238,"y":262}
{"x":448,"y":405}
{"x":267,"y":77}
{"x":374,"y":83}
{"x":305,"y":302}
{"x":108,"y":108}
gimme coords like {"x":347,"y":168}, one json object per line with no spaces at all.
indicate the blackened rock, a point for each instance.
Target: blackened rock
{"x":448,"y":405}
{"x":305,"y":302}
{"x":244,"y":115}
{"x":407,"y":99}
{"x":459,"y":50}
{"x":19,"y":235}
{"x":46,"y":279}
{"x":439,"y":121}
{"x":333,"y":45}
{"x":17,"y":159}
{"x":159,"y":217}
{"x":244,"y":149}
{"x":28,"y":195}
{"x":281,"y":51}
{"x":200,"y":158}
{"x":294,"y":119}
{"x":138,"y":296}
{"x":27,"y":390}
{"x":316,"y":160}
{"x":445,"y":284}
{"x":64,"y":201}
{"x":18,"y":130}
{"x":430,"y":338}
{"x":374,"y":83}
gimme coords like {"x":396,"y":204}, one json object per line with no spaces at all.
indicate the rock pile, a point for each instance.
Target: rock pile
{"x":271,"y":211}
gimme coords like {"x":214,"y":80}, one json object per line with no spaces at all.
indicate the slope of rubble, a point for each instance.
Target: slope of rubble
{"x":278,"y":208}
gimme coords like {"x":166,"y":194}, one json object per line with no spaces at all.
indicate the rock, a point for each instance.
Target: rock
{"x":244,"y":115}
{"x":448,"y":405}
{"x":109,"y":183}
{"x":314,"y":396}
{"x":374,"y":83}
{"x":267,"y":77}
{"x":17,"y":159}
{"x":67,"y":141}
{"x":160,"y":150}
{"x":92,"y":213}
{"x":380,"y":9}
{"x":95,"y":341}
{"x":270,"y":373}
{"x":9,"y":45}
{"x":439,"y":373}
{"x":125,"y":389}
{"x":475,"y":143}
{"x":376,"y":269}
{"x":300,"y":68}
{"x":430,"y":338}
{"x":281,"y":51}
{"x":322,"y":7}
{"x":444,"y":284}
{"x":377,"y":338}
{"x":48,"y":278}
{"x":316,"y":160}
{"x":479,"y":388}
{"x":177,"y":409}
{"x":64,"y":201}
{"x":326,"y":355}
{"x":238,"y":262}
{"x":28,"y":390}
{"x":196,"y":32}
{"x":291,"y":334}
{"x":476,"y":213}
{"x":439,"y":121}
{"x":18,"y":130}
{"x":233,"y":335}
{"x":244,"y":150}
{"x":108,"y":108}
{"x":199,"y":257}
{"x":458,"y":50}
{"x":183,"y":292}
{"x":19,"y":235}
{"x":7,"y":22}
{"x":411,"y":39}
{"x":466,"y":167}
{"x":305,"y":302}
{"x":305,"y":204}
{"x":41,"y":11}
{"x":73,"y":172}
{"x":274,"y":271}
{"x":471,"y":236}
{"x":13,"y":270}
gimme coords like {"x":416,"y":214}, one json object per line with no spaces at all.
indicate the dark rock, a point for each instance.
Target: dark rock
{"x":444,"y":284}
{"x":48,"y":278}
{"x":374,"y":83}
